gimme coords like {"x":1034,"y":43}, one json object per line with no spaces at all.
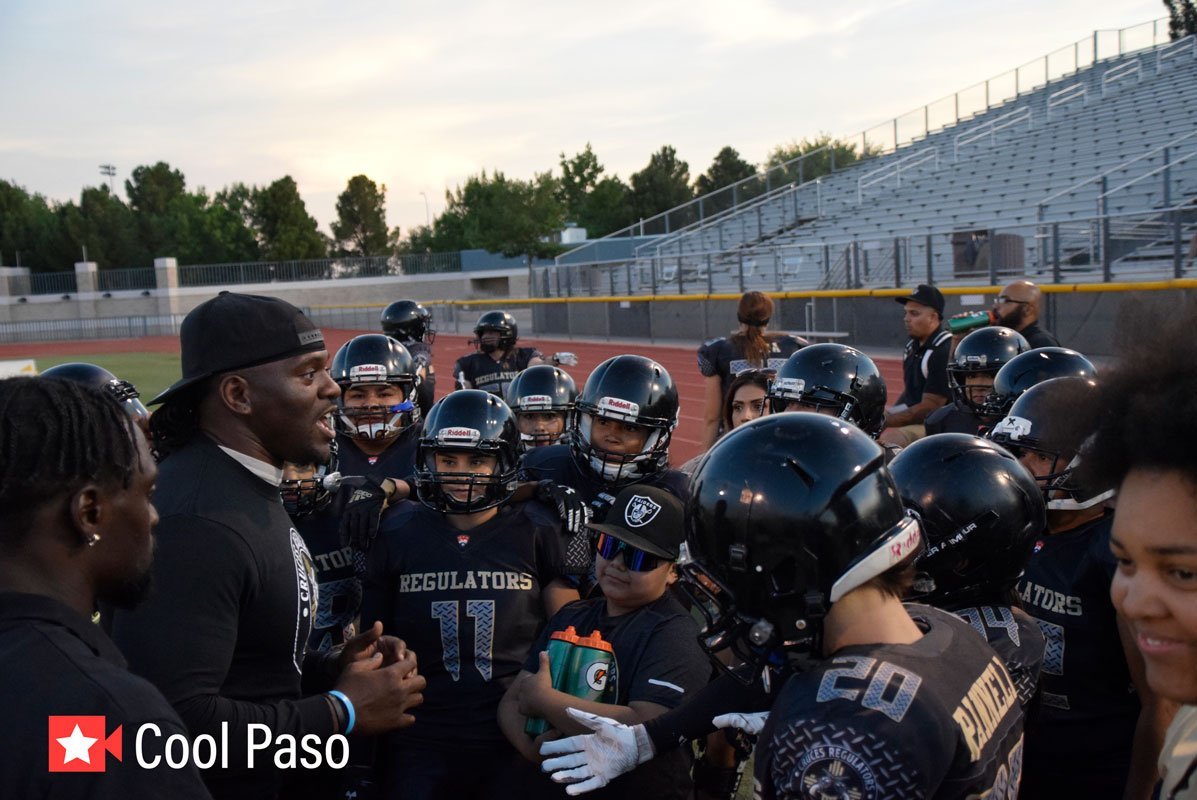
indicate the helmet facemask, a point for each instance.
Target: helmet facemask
{"x":374,"y":422}
{"x":304,"y":496}
{"x":616,"y":468}
{"x":443,"y":490}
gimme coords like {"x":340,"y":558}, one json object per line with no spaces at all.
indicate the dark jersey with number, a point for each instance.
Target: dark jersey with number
{"x":397,"y":461}
{"x":480,"y":371}
{"x":936,"y":718}
{"x":340,"y":595}
{"x":1085,"y":726}
{"x":1016,"y":638}
{"x":558,"y":464}
{"x":468,"y":603}
{"x":954,"y":419}
{"x":725,"y":356}
{"x":657,"y":660}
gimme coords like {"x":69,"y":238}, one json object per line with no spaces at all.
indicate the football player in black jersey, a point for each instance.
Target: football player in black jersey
{"x":801,"y":550}
{"x":981,"y":513}
{"x":1027,"y":369}
{"x":976,"y":361}
{"x":1099,"y":727}
{"x":410,"y":324}
{"x":99,"y":378}
{"x":470,"y":578}
{"x":542,"y":398}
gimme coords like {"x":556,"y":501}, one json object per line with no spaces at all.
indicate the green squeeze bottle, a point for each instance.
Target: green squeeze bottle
{"x":590,"y":665}
{"x":967,"y":322}
{"x":561,"y":645}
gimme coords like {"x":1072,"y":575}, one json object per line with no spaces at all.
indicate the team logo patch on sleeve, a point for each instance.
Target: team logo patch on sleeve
{"x":641,"y":511}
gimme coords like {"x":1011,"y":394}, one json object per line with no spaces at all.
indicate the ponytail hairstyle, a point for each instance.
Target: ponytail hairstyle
{"x":754,"y":311}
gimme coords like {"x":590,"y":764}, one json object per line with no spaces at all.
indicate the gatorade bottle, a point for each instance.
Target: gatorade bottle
{"x":561,"y":645}
{"x":967,"y":322}
{"x":590,"y":665}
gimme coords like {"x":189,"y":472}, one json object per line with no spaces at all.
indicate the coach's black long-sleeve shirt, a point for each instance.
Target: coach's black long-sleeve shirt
{"x":224,"y":634}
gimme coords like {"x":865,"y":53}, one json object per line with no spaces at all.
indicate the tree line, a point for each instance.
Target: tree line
{"x":158,"y":215}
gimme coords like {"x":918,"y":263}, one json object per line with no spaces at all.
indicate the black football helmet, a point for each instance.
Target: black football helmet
{"x":1032,"y":367}
{"x":787,"y":514}
{"x":539,"y":389}
{"x":981,"y":512}
{"x":370,"y":359}
{"x":99,"y":378}
{"x":407,"y":320}
{"x":304,"y":496}
{"x":502,"y":323}
{"x":982,"y":352}
{"x":631,"y":389}
{"x":1055,"y":418}
{"x":833,"y":376}
{"x":467,"y":421}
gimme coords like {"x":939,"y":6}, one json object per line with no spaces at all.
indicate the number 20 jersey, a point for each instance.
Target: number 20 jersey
{"x":468,"y":603}
{"x":938,"y":718}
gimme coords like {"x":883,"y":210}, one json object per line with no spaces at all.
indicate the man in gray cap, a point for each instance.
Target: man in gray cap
{"x":924,"y":367}
{"x":224,"y":637}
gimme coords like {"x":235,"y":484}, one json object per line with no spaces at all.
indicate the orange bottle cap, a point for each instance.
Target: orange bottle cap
{"x":595,"y":640}
{"x":568,"y":635}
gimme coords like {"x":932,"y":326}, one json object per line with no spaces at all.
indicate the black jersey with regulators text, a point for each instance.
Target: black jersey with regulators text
{"x":468,"y":603}
{"x":1015,"y":636}
{"x":558,"y":464}
{"x":1088,"y":707}
{"x":340,"y":590}
{"x":480,"y":371}
{"x":936,"y":718}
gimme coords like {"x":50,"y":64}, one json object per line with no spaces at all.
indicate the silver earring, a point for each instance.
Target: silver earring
{"x":91,"y":541}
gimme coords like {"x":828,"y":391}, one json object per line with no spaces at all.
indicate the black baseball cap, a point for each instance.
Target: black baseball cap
{"x":927,"y":295}
{"x":647,"y":518}
{"x":234,"y":331}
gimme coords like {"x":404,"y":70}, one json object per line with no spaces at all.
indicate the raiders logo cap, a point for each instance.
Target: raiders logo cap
{"x":649,"y":519}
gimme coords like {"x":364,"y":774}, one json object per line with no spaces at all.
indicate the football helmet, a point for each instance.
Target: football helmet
{"x":502,"y":323}
{"x":369,"y":359}
{"x":407,"y":320}
{"x":99,"y":378}
{"x":1032,"y":367}
{"x":980,"y":510}
{"x":982,"y":352}
{"x":1055,"y":418}
{"x":786,"y":515}
{"x":304,"y":496}
{"x":467,"y":421}
{"x":631,"y":389}
{"x":539,"y":389}
{"x":833,"y":376}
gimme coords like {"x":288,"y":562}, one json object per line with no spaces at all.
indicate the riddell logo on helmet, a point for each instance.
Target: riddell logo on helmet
{"x":459,"y":435}
{"x":364,"y":372}
{"x":535,"y":401}
{"x":619,"y":406}
{"x":906,"y":544}
{"x":789,"y":386}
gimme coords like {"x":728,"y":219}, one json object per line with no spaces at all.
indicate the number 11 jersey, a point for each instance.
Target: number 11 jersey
{"x":468,"y":603}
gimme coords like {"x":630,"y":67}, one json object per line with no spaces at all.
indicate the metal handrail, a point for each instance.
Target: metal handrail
{"x":991,"y":128}
{"x":1173,"y":49}
{"x":1116,"y":168}
{"x":1093,"y":42}
{"x":1171,"y":163}
{"x":895,"y":170}
{"x":1132,"y":67}
{"x":1067,"y":95}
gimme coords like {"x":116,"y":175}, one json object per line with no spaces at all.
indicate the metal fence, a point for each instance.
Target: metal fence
{"x":321,"y":269}
{"x":101,"y":328}
{"x":126,"y":280}
{"x":42,"y":283}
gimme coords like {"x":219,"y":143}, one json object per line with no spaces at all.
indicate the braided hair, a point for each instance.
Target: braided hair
{"x":55,"y":436}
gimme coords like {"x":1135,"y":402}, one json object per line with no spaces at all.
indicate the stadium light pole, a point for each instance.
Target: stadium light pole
{"x":109,"y":171}
{"x":427,"y":213}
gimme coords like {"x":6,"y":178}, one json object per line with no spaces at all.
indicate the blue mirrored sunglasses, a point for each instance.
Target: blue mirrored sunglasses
{"x":634,"y":558}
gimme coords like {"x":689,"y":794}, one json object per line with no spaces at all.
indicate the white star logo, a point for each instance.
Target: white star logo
{"x":77,"y":746}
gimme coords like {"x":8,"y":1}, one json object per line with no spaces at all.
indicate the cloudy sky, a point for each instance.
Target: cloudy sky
{"x":420,"y":95}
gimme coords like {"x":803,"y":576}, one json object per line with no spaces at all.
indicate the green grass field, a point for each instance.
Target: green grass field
{"x":149,"y":372}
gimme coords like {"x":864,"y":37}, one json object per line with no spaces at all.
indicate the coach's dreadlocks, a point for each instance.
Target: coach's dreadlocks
{"x":55,"y":436}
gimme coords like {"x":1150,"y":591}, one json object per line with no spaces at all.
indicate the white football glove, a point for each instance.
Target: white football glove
{"x":565,"y":359}
{"x":750,"y":723}
{"x":590,"y":761}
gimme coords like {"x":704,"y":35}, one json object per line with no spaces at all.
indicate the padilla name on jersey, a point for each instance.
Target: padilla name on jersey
{"x":936,"y":718}
{"x":1016,"y":637}
{"x":480,"y":371}
{"x":469,"y":603}
{"x":1088,"y":707}
{"x":558,"y":464}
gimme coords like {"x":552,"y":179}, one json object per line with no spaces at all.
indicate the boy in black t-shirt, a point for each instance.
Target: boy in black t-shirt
{"x":658,"y":662}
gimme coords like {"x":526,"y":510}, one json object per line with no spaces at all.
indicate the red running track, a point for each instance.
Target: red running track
{"x":679,"y":361}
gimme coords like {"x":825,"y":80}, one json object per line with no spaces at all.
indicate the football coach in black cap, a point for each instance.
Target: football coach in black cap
{"x":924,"y":367}
{"x":224,"y":635}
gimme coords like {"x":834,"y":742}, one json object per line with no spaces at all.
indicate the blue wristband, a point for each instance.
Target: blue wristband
{"x":348,"y":710}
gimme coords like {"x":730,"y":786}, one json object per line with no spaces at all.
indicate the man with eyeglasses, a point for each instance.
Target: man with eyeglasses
{"x":1017,"y":307}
